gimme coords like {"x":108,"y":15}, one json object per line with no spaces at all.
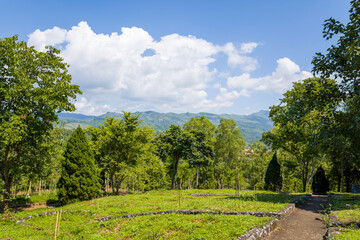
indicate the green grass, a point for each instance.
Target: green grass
{"x":348,"y":234}
{"x":82,"y":223}
{"x":172,"y":226}
{"x":154,"y":201}
{"x":346,"y":207}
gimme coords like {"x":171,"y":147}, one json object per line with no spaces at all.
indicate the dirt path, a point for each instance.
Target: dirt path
{"x":303,"y":223}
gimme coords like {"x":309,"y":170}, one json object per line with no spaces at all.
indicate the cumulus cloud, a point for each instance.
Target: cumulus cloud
{"x":248,"y":47}
{"x":116,"y":72}
{"x":176,"y":76}
{"x":236,"y":57}
{"x":279,"y":81}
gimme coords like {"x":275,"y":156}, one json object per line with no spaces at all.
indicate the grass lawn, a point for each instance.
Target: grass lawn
{"x":346,"y":207}
{"x":82,"y":223}
{"x":349,"y":234}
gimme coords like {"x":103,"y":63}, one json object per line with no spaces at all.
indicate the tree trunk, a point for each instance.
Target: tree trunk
{"x":117,"y":185}
{"x":342,"y":176}
{"x":29,"y":191}
{"x":7,"y":181}
{"x":303,"y":179}
{"x":175,"y":172}
{"x":197,"y":176}
{"x":40,"y":187}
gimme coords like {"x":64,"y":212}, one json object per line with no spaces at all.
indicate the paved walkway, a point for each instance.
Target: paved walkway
{"x":303,"y":223}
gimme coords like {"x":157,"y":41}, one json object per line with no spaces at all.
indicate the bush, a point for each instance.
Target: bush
{"x":273,"y":179}
{"x":79,"y":180}
{"x":320,"y":183}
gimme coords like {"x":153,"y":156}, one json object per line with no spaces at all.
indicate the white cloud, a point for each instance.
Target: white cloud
{"x":49,"y":37}
{"x":248,"y":47}
{"x":112,"y":67}
{"x":115,"y":74}
{"x":280,"y":80}
{"x":90,"y":108}
{"x":236,"y":57}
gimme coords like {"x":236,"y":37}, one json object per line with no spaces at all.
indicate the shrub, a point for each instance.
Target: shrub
{"x":320,"y":183}
{"x":79,"y":180}
{"x":273,"y":179}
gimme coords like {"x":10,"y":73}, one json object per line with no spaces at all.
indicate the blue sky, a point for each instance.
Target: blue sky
{"x":177,"y":56}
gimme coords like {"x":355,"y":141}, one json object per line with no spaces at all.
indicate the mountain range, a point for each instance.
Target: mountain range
{"x":251,"y":126}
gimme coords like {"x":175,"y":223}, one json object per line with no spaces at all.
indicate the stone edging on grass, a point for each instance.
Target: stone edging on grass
{"x":216,"y":195}
{"x":258,"y":233}
{"x":334,"y":226}
{"x":187,"y":212}
{"x":22,"y":220}
{"x":192,"y":212}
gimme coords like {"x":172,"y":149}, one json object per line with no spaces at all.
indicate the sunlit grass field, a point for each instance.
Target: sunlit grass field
{"x":346,"y":208}
{"x":79,"y":220}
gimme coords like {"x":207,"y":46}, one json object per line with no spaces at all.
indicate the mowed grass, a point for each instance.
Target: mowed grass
{"x":346,"y":207}
{"x":80,"y":222}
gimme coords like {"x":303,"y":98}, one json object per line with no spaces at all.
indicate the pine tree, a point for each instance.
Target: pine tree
{"x":320,"y":184}
{"x":273,"y":179}
{"x":79,"y":180}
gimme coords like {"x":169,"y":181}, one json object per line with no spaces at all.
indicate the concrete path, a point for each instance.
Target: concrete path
{"x":303,"y":223}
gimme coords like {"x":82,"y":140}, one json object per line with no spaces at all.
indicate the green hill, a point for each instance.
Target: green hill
{"x":251,"y":126}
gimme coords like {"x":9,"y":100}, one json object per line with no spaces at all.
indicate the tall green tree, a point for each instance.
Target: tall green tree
{"x":34,"y":86}
{"x":342,"y":60}
{"x":203,"y":146}
{"x":174,"y":145}
{"x":79,"y":178}
{"x":228,"y":146}
{"x":273,"y":178}
{"x":255,"y":160}
{"x":121,"y":146}
{"x":304,"y":113}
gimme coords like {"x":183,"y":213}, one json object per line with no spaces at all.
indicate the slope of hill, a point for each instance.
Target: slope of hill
{"x":251,"y":126}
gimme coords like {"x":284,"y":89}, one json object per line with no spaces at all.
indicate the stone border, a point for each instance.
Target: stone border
{"x":22,"y":220}
{"x":258,"y":233}
{"x":216,"y":195}
{"x":192,"y":212}
{"x":334,"y":226}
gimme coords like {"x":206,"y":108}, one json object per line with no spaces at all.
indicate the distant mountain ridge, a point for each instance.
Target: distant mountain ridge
{"x":251,"y":126}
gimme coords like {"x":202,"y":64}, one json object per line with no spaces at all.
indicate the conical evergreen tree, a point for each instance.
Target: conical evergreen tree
{"x":79,"y":180}
{"x":320,"y":184}
{"x":273,"y":179}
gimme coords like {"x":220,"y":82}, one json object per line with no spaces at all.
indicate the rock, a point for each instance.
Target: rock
{"x":355,"y":188}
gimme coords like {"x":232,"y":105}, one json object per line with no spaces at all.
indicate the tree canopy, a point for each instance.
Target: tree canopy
{"x":34,"y":86}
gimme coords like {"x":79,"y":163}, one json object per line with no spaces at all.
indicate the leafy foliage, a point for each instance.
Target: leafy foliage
{"x":124,"y":149}
{"x":301,"y":120}
{"x":34,"y":86}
